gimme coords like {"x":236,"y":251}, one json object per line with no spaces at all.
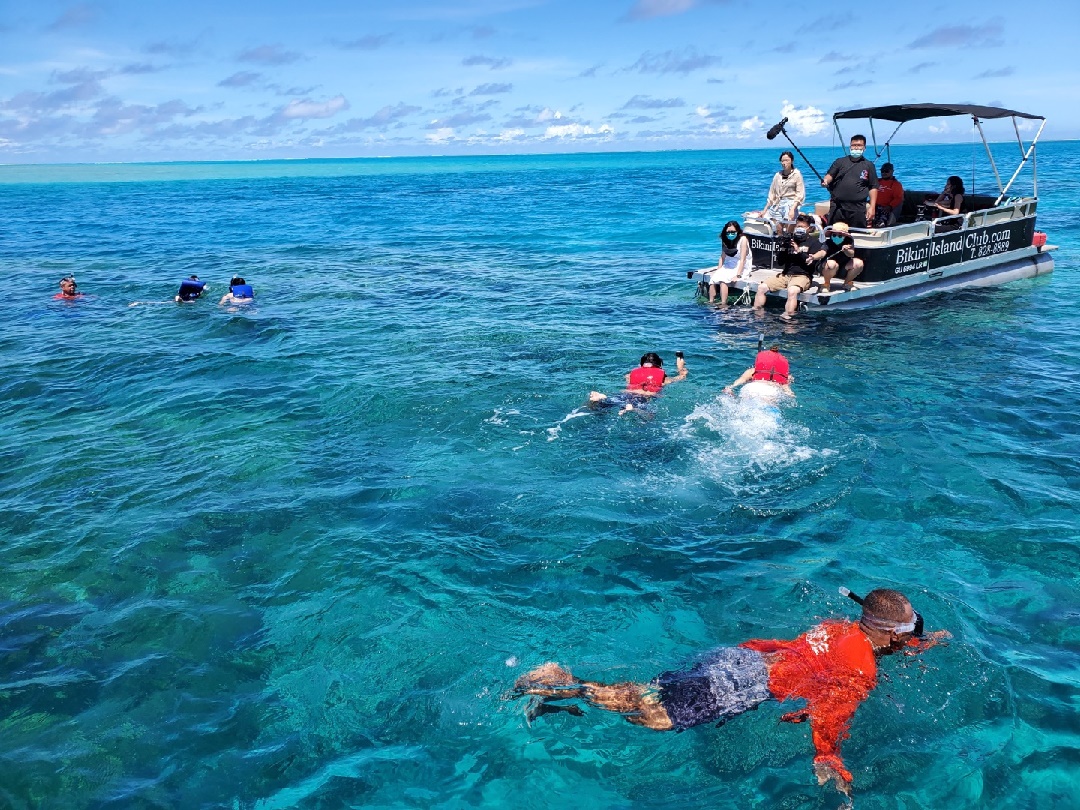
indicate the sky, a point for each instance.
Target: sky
{"x":116,"y":80}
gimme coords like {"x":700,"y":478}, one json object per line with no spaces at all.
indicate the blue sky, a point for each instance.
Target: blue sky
{"x":113,"y":80}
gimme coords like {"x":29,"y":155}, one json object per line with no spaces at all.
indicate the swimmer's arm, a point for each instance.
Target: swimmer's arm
{"x":683,"y":371}
{"x":745,"y":378}
{"x":225,"y":299}
{"x":918,"y":645}
{"x":830,"y":718}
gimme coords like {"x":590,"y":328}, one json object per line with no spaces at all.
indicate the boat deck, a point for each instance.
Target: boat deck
{"x":998,"y":269}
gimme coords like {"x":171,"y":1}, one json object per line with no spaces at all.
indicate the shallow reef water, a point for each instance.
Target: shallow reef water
{"x":295,"y":554}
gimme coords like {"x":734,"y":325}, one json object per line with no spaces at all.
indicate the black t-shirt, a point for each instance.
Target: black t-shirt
{"x":835,"y":251}
{"x":795,"y":255}
{"x":852,"y":179}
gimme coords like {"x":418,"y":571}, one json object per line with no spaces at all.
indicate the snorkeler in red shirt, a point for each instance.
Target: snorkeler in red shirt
{"x":68,"y":290}
{"x":832,"y":667}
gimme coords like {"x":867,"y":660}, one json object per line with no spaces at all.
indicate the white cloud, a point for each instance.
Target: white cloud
{"x":805,"y":120}
{"x":314,"y":109}
{"x":576,"y":131}
{"x":508,"y":135}
{"x":751,"y":125}
{"x":548,"y":114}
{"x":703,"y":112}
{"x":441,"y":135}
{"x":938,"y":129}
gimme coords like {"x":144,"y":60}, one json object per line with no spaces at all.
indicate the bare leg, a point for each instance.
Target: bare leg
{"x":637,"y":702}
{"x":827,"y":273}
{"x":792,"y":300}
{"x":759,"y":297}
{"x":854,"y":268}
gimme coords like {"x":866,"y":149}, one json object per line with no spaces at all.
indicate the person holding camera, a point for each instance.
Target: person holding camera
{"x":802,"y":254}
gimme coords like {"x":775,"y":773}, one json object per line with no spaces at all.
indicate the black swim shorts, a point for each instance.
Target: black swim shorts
{"x":726,"y":683}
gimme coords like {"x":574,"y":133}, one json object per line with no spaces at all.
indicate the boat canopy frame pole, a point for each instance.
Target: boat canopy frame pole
{"x":1027,"y":155}
{"x":888,"y":141}
{"x":990,"y":155}
{"x":886,"y":147}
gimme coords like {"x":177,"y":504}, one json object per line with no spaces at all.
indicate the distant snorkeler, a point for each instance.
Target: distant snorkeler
{"x":69,"y":290}
{"x":768,"y":380}
{"x":832,"y":667}
{"x":642,"y":384}
{"x":191,"y":289}
{"x":240,"y":292}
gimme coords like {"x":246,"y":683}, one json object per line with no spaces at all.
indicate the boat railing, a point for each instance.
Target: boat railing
{"x":1012,"y":209}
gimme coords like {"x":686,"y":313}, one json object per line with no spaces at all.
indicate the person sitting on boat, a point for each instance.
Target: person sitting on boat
{"x":890,"y":198}
{"x":68,"y":290}
{"x":768,"y":379}
{"x":851,"y":181}
{"x":786,"y":194}
{"x":833,"y":667}
{"x":240,"y":292}
{"x":841,"y":248}
{"x":948,"y":202}
{"x":190,"y":289}
{"x":802,"y":252}
{"x":642,"y":384}
{"x":735,"y":262}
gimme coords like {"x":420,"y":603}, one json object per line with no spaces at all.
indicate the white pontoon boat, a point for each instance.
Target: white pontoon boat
{"x":991,"y":241}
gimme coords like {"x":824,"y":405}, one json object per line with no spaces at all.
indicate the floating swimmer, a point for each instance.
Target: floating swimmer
{"x":768,"y":380}
{"x":832,"y":667}
{"x":68,"y":290}
{"x":642,"y":384}
{"x":191,"y":289}
{"x":240,"y":292}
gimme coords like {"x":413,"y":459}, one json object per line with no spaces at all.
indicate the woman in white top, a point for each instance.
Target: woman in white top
{"x":735,"y":261}
{"x":786,"y":194}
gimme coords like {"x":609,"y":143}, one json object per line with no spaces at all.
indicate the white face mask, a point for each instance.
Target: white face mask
{"x":857,"y":151}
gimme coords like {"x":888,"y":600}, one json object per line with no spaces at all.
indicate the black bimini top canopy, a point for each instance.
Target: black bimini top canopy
{"x":913,"y":112}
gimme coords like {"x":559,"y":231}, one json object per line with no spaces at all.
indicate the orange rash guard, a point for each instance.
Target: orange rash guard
{"x":832,"y":668}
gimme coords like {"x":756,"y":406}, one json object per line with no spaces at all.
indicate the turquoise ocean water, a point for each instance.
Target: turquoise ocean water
{"x":294,"y":556}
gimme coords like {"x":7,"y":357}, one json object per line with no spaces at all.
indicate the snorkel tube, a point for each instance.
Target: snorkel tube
{"x":779,"y":130}
{"x":916,"y":631}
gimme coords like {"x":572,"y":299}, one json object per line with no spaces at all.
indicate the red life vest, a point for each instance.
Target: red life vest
{"x":647,"y":378}
{"x":771,"y":366}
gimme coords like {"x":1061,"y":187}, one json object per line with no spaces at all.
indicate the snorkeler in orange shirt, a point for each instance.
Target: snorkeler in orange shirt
{"x":832,"y":667}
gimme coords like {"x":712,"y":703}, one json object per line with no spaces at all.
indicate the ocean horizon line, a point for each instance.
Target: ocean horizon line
{"x":480,"y":156}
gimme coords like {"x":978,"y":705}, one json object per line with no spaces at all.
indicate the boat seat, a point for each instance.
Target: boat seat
{"x":913,"y":199}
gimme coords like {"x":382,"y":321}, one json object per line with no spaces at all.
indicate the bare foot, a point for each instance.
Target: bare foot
{"x":547,"y":680}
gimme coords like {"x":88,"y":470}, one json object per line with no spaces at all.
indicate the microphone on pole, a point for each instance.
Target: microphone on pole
{"x":776,"y":130}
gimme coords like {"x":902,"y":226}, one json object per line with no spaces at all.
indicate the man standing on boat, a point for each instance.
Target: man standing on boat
{"x":850,"y":181}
